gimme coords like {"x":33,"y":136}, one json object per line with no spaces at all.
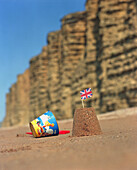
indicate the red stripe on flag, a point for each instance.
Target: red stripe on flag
{"x":86,"y":93}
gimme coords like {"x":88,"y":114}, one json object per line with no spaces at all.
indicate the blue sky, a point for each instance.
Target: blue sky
{"x":24,"y":25}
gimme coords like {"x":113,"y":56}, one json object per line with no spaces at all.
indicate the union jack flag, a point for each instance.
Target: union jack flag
{"x":87,"y":93}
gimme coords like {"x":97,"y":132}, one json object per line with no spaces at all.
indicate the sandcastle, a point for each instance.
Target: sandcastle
{"x":85,"y":123}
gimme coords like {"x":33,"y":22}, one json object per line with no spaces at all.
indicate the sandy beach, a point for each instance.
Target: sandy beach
{"x":115,"y":149}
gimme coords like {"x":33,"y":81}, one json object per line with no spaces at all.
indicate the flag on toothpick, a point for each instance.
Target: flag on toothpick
{"x":87,"y":93}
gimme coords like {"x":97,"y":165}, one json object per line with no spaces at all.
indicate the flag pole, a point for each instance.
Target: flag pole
{"x":82,"y":103}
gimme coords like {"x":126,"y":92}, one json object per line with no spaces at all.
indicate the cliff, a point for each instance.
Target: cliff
{"x":18,"y":101}
{"x":96,"y":48}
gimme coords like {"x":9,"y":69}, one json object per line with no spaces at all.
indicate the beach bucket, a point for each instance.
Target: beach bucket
{"x":45,"y":125}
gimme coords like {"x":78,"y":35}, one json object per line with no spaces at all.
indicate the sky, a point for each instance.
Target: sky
{"x":24,"y":25}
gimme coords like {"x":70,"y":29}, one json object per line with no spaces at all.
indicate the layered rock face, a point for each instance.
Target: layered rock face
{"x":115,"y":35}
{"x":72,"y":51}
{"x":96,"y":48}
{"x":53,"y":76}
{"x":38,"y":84}
{"x":17,"y":102}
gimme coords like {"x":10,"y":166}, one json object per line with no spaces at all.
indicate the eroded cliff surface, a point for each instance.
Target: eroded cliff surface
{"x":96,"y":48}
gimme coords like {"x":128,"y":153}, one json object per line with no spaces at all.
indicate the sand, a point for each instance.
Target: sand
{"x":115,"y":149}
{"x":85,"y":123}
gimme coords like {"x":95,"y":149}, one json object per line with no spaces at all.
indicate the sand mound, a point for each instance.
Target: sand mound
{"x":85,"y":123}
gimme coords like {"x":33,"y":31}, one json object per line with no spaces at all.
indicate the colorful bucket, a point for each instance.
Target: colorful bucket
{"x":45,"y":125}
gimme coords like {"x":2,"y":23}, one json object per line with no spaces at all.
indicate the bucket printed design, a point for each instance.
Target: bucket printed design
{"x":45,"y":125}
